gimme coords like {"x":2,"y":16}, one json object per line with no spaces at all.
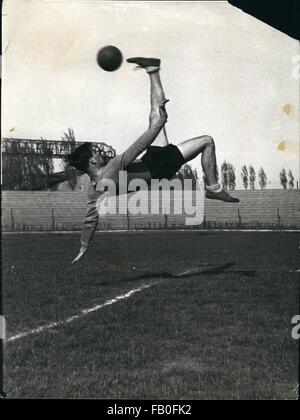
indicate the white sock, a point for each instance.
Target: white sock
{"x":214,"y":188}
{"x":152,"y":69}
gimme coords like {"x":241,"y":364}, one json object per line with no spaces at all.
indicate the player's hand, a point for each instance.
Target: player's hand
{"x":81,"y":253}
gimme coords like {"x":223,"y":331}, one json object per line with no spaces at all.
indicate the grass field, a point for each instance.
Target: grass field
{"x":214,"y":323}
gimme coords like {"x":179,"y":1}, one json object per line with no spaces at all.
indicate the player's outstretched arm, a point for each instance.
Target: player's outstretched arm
{"x":88,"y":229}
{"x":81,"y":253}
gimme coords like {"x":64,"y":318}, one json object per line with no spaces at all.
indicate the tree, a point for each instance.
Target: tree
{"x":291,"y":179}
{"x":217,"y":173}
{"x":283,"y":178}
{"x":69,"y":138}
{"x":195,"y":173}
{"x":231,"y":177}
{"x":228,"y":178}
{"x":24,"y":169}
{"x":252,"y":177}
{"x":263,"y":180}
{"x":187,"y":172}
{"x":245,"y":177}
{"x":224,"y":175}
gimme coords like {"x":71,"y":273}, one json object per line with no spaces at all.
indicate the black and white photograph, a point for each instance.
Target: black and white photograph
{"x":150,"y":169}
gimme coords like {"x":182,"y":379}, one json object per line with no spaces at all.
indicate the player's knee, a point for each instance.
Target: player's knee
{"x":209,"y":141}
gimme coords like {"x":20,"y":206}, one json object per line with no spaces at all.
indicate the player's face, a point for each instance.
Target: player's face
{"x":97,"y":156}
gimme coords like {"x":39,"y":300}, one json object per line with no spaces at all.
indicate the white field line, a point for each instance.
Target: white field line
{"x":81,"y":314}
{"x":88,"y":311}
{"x":67,"y":232}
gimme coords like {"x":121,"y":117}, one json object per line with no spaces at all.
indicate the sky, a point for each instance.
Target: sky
{"x":226,"y":74}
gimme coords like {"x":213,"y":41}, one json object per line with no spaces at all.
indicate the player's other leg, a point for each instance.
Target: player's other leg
{"x":157,"y":95}
{"x":206,"y":146}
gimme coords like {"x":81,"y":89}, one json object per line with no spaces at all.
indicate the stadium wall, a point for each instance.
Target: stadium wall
{"x":49,"y":211}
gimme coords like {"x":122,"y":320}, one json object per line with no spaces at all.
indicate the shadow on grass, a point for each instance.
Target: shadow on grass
{"x":198,"y":271}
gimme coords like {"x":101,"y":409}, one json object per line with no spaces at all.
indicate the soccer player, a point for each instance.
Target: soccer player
{"x":161,"y":161}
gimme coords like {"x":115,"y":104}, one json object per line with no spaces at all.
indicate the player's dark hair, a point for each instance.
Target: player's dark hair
{"x":80,"y":157}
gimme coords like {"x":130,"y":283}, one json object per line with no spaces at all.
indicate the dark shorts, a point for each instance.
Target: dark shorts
{"x":163,"y":162}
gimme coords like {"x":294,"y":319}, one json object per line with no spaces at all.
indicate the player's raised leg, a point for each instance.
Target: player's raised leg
{"x":157,"y":95}
{"x":157,"y":98}
{"x":206,"y":145}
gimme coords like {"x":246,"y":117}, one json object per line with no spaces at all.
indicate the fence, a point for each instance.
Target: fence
{"x":49,"y":211}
